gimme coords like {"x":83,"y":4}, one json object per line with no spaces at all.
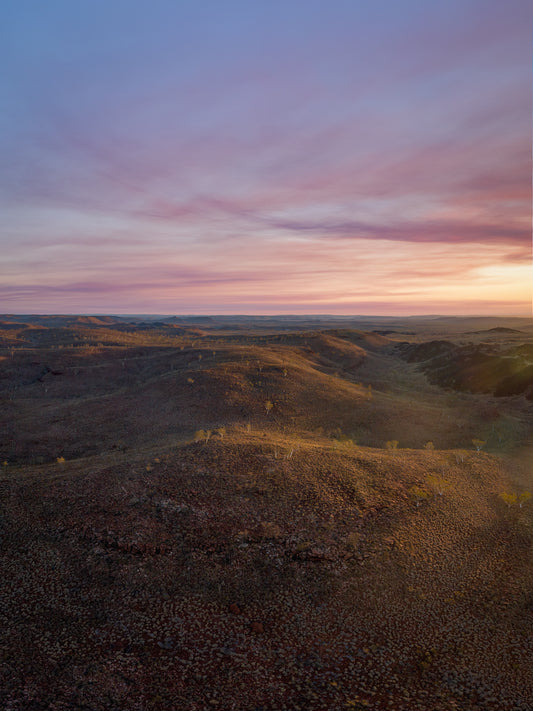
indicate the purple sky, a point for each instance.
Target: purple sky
{"x":178,"y":156}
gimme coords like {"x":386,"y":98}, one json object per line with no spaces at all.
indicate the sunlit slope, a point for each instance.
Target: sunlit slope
{"x":74,"y":402}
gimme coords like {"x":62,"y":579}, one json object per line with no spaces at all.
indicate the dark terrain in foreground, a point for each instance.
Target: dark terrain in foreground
{"x":266,"y":513}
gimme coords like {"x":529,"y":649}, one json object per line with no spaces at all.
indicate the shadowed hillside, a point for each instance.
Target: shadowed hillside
{"x":484,"y":368}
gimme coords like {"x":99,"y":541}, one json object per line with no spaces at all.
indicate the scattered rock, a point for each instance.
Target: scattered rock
{"x":168,"y":643}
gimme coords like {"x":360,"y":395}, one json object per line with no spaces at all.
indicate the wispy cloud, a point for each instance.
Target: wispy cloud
{"x":235,"y":159}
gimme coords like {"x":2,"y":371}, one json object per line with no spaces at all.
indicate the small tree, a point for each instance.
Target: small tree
{"x":478,"y":444}
{"x":524,"y":496}
{"x":508,"y":498}
{"x":429,"y":446}
{"x":418,"y":494}
{"x":268,"y":406}
{"x":392,"y":444}
{"x":438,"y":484}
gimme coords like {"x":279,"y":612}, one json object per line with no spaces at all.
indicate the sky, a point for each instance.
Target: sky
{"x":266,"y":156}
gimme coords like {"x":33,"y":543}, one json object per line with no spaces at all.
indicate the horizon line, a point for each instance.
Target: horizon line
{"x":261,"y":315}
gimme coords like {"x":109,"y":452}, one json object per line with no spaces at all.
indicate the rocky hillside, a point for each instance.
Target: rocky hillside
{"x":259,"y":571}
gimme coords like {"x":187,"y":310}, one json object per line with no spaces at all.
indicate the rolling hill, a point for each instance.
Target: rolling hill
{"x":199,"y":518}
